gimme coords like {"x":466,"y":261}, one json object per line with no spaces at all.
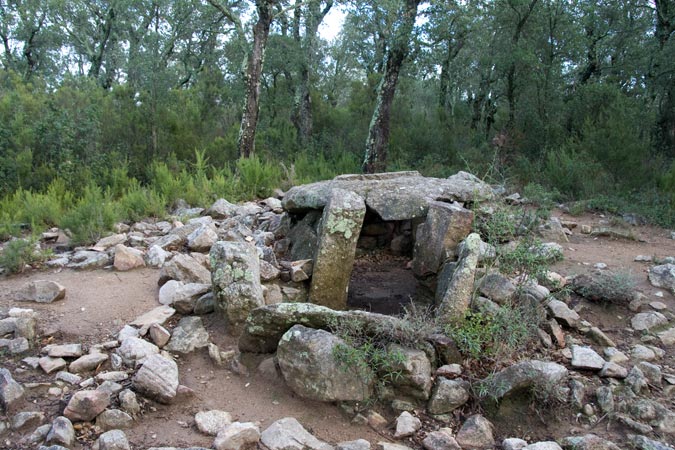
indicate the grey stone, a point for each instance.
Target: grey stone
{"x":159,"y":335}
{"x":237,"y":436}
{"x":546,"y":445}
{"x":605,"y":399}
{"x":667,"y":337}
{"x":188,"y":335}
{"x":309,"y":366}
{"x":202,"y":239}
{"x":562,"y":313}
{"x":334,"y":258}
{"x":113,"y":419}
{"x":41,"y":291}
{"x":156,"y":256}
{"x":513,"y":444}
{"x":390,"y":446}
{"x":288,"y":434}
{"x":113,"y":440}
{"x":107,"y":242}
{"x":211,"y":422}
{"x":186,"y":269}
{"x":600,"y":337}
{"x":112,"y":376}
{"x":652,"y":373}
{"x":15,"y":346}
{"x":588,"y":442}
{"x":440,"y":440}
{"x":524,"y":375}
{"x":448,"y":395}
{"x":10,"y":391}
{"x":157,"y":379}
{"x":437,"y":239}
{"x":110,"y":387}
{"x":303,"y":238}
{"x":84,"y":406}
{"x":181,"y":296}
{"x":88,"y":362}
{"x":636,"y":380}
{"x":49,"y":364}
{"x":63,"y":350}
{"x":127,"y":331}
{"x":134,"y":351}
{"x":27,"y":420}
{"x":406,"y":425}
{"x":455,"y":299}
{"x":642,"y":353}
{"x":236,"y":281}
{"x":359,"y":444}
{"x":663,"y":276}
{"x":647,"y":320}
{"x":266,"y":325}
{"x":476,"y":433}
{"x":61,"y":432}
{"x":39,"y":434}
{"x":88,"y":259}
{"x":222,"y":209}
{"x":205,"y":304}
{"x":644,"y":443}
{"x":497,"y":287}
{"x":586,"y":358}
{"x":613,"y":370}
{"x":394,"y":196}
{"x":268,"y":272}
{"x":129,"y":402}
{"x":414,"y":372}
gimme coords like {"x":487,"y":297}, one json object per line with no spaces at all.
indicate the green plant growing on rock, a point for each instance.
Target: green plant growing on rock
{"x":526,"y":259}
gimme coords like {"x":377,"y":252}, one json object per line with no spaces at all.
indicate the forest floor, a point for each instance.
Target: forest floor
{"x":98,"y":303}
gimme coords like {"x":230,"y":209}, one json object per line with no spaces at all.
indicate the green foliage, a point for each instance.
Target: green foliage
{"x":93,"y":215}
{"x":495,"y":335}
{"x":17,"y":253}
{"x":257,"y":178}
{"x":138,"y":203}
{"x":528,"y":258}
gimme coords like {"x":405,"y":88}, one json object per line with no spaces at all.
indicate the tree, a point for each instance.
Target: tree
{"x":375,"y":159}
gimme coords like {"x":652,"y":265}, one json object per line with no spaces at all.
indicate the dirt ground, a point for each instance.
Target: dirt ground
{"x":99,"y":303}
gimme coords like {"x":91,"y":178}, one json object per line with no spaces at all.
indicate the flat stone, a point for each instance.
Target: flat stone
{"x":41,"y":291}
{"x":50,"y":364}
{"x":26,"y":420}
{"x":113,"y":419}
{"x":211,"y":422}
{"x":562,"y":313}
{"x":158,"y":315}
{"x":524,"y":375}
{"x":63,"y":350}
{"x":113,"y":440}
{"x":107,"y":242}
{"x":359,"y":444}
{"x":127,"y":258}
{"x":455,"y":290}
{"x":159,"y":335}
{"x":188,"y":335}
{"x":586,"y":358}
{"x":68,"y":377}
{"x":84,"y":406}
{"x":88,"y":362}
{"x":112,"y":376}
{"x":513,"y":444}
{"x":667,"y":337}
{"x":613,"y":370}
{"x":497,"y":287}
{"x":186,"y":269}
{"x":182,"y":296}
{"x":15,"y":346}
{"x":440,"y":440}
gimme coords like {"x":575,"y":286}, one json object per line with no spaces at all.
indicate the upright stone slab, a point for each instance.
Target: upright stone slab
{"x":235,"y":272}
{"x":340,"y":226}
{"x":445,"y":227}
{"x":456,"y":297}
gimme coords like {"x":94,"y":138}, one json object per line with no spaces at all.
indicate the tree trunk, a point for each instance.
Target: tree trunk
{"x":249,"y":118}
{"x":377,"y":144}
{"x":665,"y":125}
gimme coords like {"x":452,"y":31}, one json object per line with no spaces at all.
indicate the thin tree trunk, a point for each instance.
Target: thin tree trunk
{"x":377,"y":144}
{"x":249,"y":118}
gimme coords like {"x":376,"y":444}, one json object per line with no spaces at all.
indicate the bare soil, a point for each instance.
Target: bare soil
{"x":99,"y":303}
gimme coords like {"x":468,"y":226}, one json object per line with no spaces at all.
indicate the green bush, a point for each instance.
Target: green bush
{"x":18,"y":253}
{"x":93,"y":215}
{"x":257,"y":178}
{"x":138,"y":203}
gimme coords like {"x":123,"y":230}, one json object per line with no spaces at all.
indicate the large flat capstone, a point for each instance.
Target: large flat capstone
{"x":394,"y":196}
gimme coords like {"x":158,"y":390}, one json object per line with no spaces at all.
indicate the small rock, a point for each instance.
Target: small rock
{"x":112,"y":376}
{"x":211,"y":422}
{"x":440,"y":440}
{"x":50,"y":364}
{"x":68,"y":377}
{"x":663,"y":276}
{"x":112,"y":419}
{"x":157,"y":379}
{"x":448,"y":395}
{"x":476,"y":433}
{"x":667,"y":337}
{"x":159,"y":335}
{"x":129,"y":402}
{"x":548,"y":445}
{"x":84,"y":406}
{"x":562,"y":313}
{"x":110,"y":387}
{"x":586,"y":358}
{"x":27,"y":420}
{"x":113,"y":440}
{"x":127,"y":258}
{"x":10,"y":391}
{"x":647,"y":320}
{"x":61,"y":432}
{"x":237,"y":436}
{"x":449,"y":371}
{"x":63,"y":351}
{"x":135,"y":350}
{"x":288,"y":434}
{"x":376,"y":421}
{"x":613,"y":370}
{"x":406,"y":425}
{"x":588,"y":442}
{"x":642,"y":353}
{"x":158,"y":315}
{"x":88,"y":362}
{"x":513,"y":444}
{"x":188,"y":335}
{"x":359,"y":444}
{"x":390,"y":446}
{"x":614,"y":355}
{"x":605,"y":399}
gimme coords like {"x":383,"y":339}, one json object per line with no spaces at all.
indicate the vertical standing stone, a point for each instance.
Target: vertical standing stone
{"x":456,"y":298}
{"x":235,"y":272}
{"x":340,"y":227}
{"x":437,"y":239}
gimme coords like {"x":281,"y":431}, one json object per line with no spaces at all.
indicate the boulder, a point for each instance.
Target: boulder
{"x":211,"y":422}
{"x":107,"y":242}
{"x":157,"y":379}
{"x":437,"y":239}
{"x":455,"y":296}
{"x":182,"y":296}
{"x":394,"y":195}
{"x":114,"y":419}
{"x":236,"y":281}
{"x":184,"y":268}
{"x":288,"y":434}
{"x":562,"y":313}
{"x":413,"y":370}
{"x":586,"y":358}
{"x":112,"y":440}
{"x":440,"y":440}
{"x":127,"y":258}
{"x":497,"y":287}
{"x":406,"y":425}
{"x":84,"y":406}
{"x":663,"y":276}
{"x":202,"y":239}
{"x":134,"y":351}
{"x":308,"y":364}
{"x":89,"y":259}
{"x":61,"y":432}
{"x":448,"y":395}
{"x":222,"y":209}
{"x":334,"y":258}
{"x":188,"y":335}
{"x":41,"y":291}
{"x":648,"y":320}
